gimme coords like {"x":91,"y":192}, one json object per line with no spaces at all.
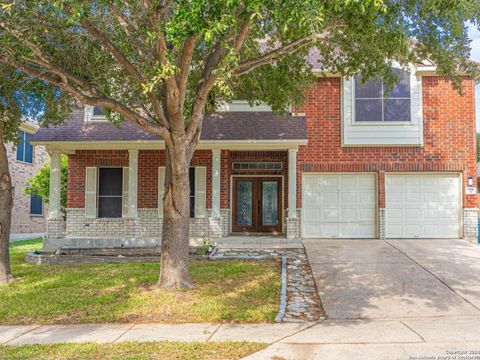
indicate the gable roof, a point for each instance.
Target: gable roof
{"x":223,"y":126}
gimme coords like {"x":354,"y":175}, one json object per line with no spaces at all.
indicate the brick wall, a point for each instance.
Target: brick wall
{"x":449,"y":133}
{"x":148,"y":163}
{"x":22,"y":221}
{"x":76,"y":171}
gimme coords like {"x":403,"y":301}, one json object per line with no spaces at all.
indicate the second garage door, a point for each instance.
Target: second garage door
{"x":422,"y":206}
{"x":339,"y":206}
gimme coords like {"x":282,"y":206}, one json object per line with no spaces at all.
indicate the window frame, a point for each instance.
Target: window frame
{"x":192,"y":195}
{"x":353,"y":99}
{"x":41,"y":206}
{"x":90,"y":117}
{"x":24,"y":144}
{"x":97,"y":197}
{"x":260,"y":165}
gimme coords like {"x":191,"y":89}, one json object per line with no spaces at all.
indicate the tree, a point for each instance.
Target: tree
{"x":478,"y":147}
{"x":163,"y":64}
{"x":21,"y":97}
{"x":40,"y":184}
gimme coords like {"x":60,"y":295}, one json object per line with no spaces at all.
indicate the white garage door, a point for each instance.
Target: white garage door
{"x":338,"y":206}
{"x":422,"y":206}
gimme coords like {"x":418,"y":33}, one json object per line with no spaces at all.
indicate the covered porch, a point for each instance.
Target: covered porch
{"x":115,"y":196}
{"x":242,"y":193}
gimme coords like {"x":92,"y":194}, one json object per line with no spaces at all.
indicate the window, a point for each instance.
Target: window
{"x":110,"y":187}
{"x":257,"y":166}
{"x":24,"y":148}
{"x":94,"y":113}
{"x":191,"y":175}
{"x":36,"y":206}
{"x":374,"y":103}
{"x":98,"y":111}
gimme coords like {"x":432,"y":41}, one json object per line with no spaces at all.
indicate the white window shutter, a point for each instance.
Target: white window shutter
{"x":161,"y":189}
{"x":91,"y":192}
{"x":200,"y":191}
{"x":125,"y":192}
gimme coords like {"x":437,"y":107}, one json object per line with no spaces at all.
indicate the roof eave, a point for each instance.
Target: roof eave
{"x":280,"y":144}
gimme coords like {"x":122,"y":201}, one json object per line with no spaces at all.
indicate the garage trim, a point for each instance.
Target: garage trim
{"x":458,"y":175}
{"x":376,"y":196}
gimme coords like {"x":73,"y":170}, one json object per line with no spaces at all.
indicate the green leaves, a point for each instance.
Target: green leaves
{"x":160,"y":73}
{"x":40,"y":183}
{"x":6,"y":7}
{"x":350,"y":36}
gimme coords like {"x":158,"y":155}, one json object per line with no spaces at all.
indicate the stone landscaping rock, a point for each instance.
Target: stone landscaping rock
{"x":303,"y":301}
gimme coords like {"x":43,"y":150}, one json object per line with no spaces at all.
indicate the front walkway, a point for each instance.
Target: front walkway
{"x":258,"y":242}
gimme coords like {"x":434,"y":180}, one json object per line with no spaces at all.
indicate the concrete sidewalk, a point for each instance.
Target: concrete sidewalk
{"x":372,"y":339}
{"x":403,"y":339}
{"x":458,"y":329}
{"x":112,"y":333}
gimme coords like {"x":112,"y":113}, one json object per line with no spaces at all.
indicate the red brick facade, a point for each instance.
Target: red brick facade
{"x":76,"y":171}
{"x":449,"y":145}
{"x":449,"y":137}
{"x":148,"y":163}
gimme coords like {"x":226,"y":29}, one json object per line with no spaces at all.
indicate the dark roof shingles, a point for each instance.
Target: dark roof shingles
{"x":218,"y":126}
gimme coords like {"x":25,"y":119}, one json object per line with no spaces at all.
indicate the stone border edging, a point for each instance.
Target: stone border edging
{"x":283,"y":292}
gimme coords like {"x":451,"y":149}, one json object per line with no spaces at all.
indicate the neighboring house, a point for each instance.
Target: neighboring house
{"x":349,"y":163}
{"x":24,"y":160}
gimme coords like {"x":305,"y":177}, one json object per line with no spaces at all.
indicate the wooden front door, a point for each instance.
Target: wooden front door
{"x":257,"y":205}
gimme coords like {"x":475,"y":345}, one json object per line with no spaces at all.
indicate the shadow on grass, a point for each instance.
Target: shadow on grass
{"x":63,"y":294}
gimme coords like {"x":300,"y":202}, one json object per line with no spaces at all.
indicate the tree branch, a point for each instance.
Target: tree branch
{"x":117,"y":54}
{"x":209,"y":78}
{"x":271,"y":56}
{"x":45,"y":61}
{"x":184,"y":67}
{"x":86,"y":99}
{"x":127,"y":65}
{"x":290,"y":48}
{"x":129,"y":28}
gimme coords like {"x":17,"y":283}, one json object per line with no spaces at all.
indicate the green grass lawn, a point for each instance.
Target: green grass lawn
{"x":138,"y":351}
{"x":225,"y":291}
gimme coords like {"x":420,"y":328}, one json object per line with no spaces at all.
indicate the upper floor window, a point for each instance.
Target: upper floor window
{"x":24,"y":148}
{"x":374,"y":102}
{"x":94,"y":113}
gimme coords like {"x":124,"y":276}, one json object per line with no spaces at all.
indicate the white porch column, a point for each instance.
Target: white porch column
{"x":132,"y":183}
{"x":54,"y":211}
{"x":292,"y":183}
{"x":216,"y":155}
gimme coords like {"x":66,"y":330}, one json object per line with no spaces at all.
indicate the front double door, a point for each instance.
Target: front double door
{"x":256,"y":205}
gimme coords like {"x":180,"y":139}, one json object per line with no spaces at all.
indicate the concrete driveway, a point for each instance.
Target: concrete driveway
{"x":374,"y":279}
{"x":395,"y":299}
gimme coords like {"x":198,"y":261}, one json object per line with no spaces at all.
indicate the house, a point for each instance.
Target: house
{"x":24,"y":160}
{"x":349,"y":163}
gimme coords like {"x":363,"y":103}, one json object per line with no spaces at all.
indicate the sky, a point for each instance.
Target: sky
{"x":475,"y":55}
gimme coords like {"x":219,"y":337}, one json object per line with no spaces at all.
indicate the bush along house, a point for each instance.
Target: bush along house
{"x":354,"y":161}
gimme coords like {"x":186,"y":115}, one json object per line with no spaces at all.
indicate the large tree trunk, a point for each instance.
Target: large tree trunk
{"x":6,"y":203}
{"x":176,"y":219}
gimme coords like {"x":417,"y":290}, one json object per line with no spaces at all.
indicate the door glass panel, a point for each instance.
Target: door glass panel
{"x":269,"y":203}
{"x":244,"y":203}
